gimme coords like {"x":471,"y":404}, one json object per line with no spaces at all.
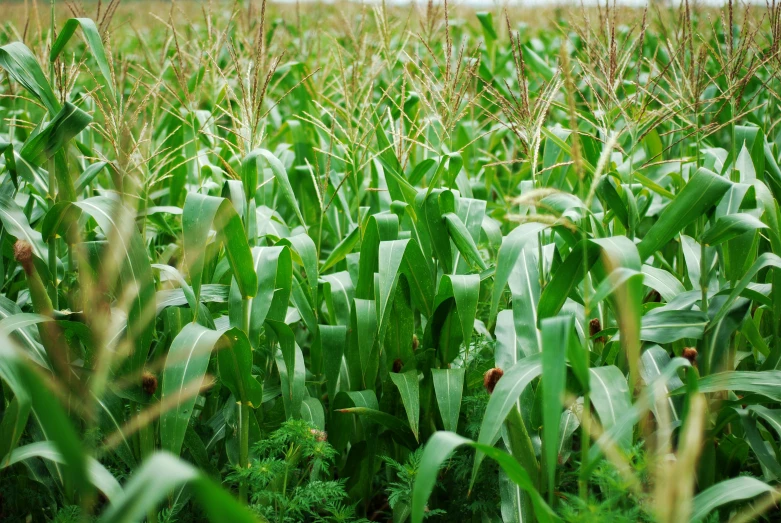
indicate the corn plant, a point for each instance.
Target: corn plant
{"x":317,"y":264}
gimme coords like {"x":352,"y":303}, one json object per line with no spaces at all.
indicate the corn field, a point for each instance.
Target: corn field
{"x":357,"y":262}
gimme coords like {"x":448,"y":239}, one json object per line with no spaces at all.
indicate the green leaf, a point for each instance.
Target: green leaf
{"x":159,"y":476}
{"x":92,"y":37}
{"x":752,"y":436}
{"x":183,"y":377}
{"x":200,"y":214}
{"x":69,"y":122}
{"x":287,"y":344}
{"x":767,"y":259}
{"x":508,"y":348}
{"x":409,"y":389}
{"x":292,"y":375}
{"x":305,"y":254}
{"x":610,"y":398}
{"x":280,"y":174}
{"x":99,"y":476}
{"x":439,"y":448}
{"x":274,"y":267}
{"x":313,"y":413}
{"x":434,"y":206}
{"x":730,"y":226}
{"x":765,"y":383}
{"x":667,"y":326}
{"x":398,"y":427}
{"x":391,"y":255}
{"x":605,"y":255}
{"x":503,"y":399}
{"x":16,"y":223}
{"x":463,"y":240}
{"x":380,"y":227}
{"x":333,"y":339}
{"x":12,"y":426}
{"x":555,"y":340}
{"x":135,"y":270}
{"x":234,"y":358}
{"x":654,"y":361}
{"x":727,"y":491}
{"x":667,"y":285}
{"x":511,"y":248}
{"x":342,"y":249}
{"x":55,"y":426}
{"x":465,"y":291}
{"x":21,"y":65}
{"x":448,"y":387}
{"x":701,"y":193}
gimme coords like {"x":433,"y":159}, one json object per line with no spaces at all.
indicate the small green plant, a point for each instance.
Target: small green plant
{"x":399,"y":489}
{"x":288,"y":477}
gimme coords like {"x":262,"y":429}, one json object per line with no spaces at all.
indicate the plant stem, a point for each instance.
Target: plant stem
{"x":244,"y":414}
{"x":243,"y":446}
{"x":52,"y":196}
{"x":147,"y":448}
{"x":585,"y":443}
{"x":704,"y":267}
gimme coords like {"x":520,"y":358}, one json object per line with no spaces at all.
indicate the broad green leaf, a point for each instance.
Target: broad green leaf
{"x":30,"y":390}
{"x":12,"y":426}
{"x":463,"y":241}
{"x":287,"y":345}
{"x":727,"y":491}
{"x":391,"y":254}
{"x":342,"y":249}
{"x":305,"y":253}
{"x":610,"y":398}
{"x":441,"y":446}
{"x":667,"y":285}
{"x":605,"y":255}
{"x":730,"y":226}
{"x":465,"y":291}
{"x":765,"y":260}
{"x":92,"y":37}
{"x":183,"y":377}
{"x":765,"y":383}
{"x":654,"y":361}
{"x":21,"y":65}
{"x":399,"y":428}
{"x":134,"y":269}
{"x":100,"y":477}
{"x":555,"y":340}
{"x":292,"y":375}
{"x":508,"y":348}
{"x":333,"y":339}
{"x":274,"y":267}
{"x":16,"y":223}
{"x":503,"y":399}
{"x":234,"y":359}
{"x":667,"y":326}
{"x":280,"y":174}
{"x":313,"y":413}
{"x":699,"y":194}
{"x":201,"y":214}
{"x":380,"y":227}
{"x":511,"y":248}
{"x":448,"y":387}
{"x":767,"y":458}
{"x":65,"y":125}
{"x":158,"y":477}
{"x":409,"y":389}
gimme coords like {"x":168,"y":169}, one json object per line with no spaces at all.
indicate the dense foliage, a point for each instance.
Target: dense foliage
{"x":317,"y":264}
